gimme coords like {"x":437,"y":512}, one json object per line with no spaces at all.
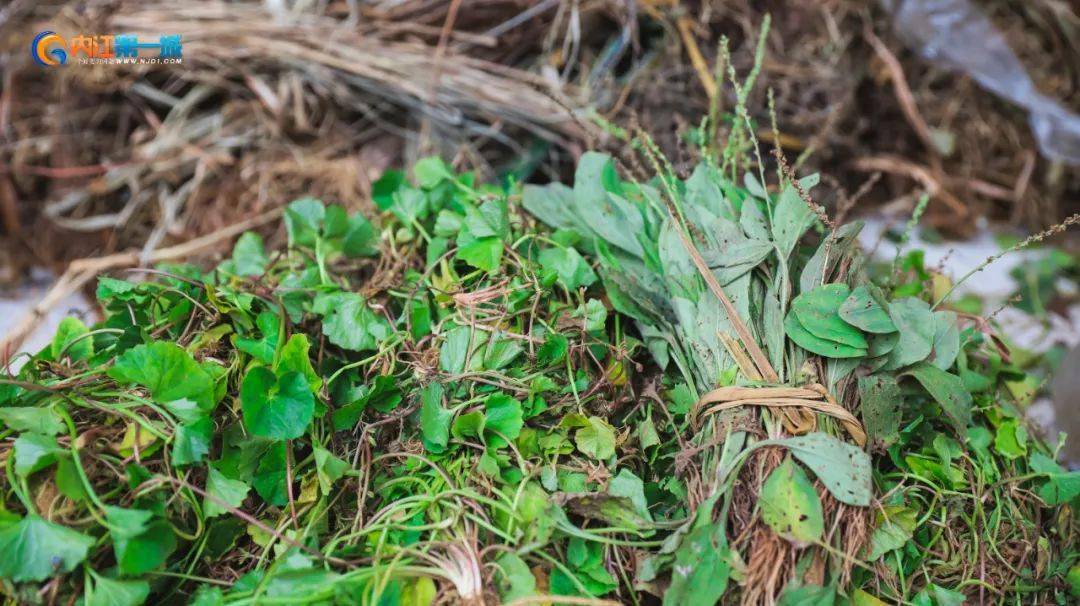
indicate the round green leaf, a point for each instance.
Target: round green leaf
{"x":108,"y":592}
{"x":221,"y":491}
{"x":514,"y":578}
{"x":597,"y":439}
{"x":168,"y":371}
{"x":249,"y":256}
{"x":34,"y":452}
{"x":71,"y":340}
{"x":434,"y":419}
{"x":502,"y":419}
{"x":278,"y":408}
{"x":35,"y":550}
{"x":895,"y":525}
{"x":349,"y":323}
{"x":141,"y":541}
{"x":482,"y":253}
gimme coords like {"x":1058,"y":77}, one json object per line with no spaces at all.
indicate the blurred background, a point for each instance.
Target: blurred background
{"x":973,"y":102}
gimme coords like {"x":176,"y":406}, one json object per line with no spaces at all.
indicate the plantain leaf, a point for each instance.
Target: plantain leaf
{"x":790,"y":505}
{"x":946,"y":340}
{"x":819,"y":313}
{"x":792,"y":216}
{"x":915,"y":323}
{"x":843,"y":469}
{"x":881,"y":408}
{"x":814,"y":344}
{"x":829,"y":253}
{"x":862,"y":310}
{"x":948,"y":390}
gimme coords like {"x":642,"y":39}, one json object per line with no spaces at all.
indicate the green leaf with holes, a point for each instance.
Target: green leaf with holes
{"x":790,"y":505}
{"x":843,"y":469}
{"x":862,"y":310}
{"x":701,"y":567}
{"x":881,"y":408}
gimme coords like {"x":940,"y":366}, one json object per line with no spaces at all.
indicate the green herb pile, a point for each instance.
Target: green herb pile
{"x":492,"y":394}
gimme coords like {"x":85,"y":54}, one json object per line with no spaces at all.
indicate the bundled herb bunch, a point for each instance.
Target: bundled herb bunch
{"x":666,"y":389}
{"x":798,"y":337}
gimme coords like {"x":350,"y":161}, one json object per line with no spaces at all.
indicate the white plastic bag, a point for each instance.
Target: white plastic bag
{"x":955,"y":33}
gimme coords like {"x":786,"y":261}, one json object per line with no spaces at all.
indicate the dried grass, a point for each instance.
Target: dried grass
{"x":282,"y":99}
{"x":270,"y":104}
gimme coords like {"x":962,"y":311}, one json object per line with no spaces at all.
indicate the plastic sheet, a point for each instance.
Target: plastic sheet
{"x":956,"y":34}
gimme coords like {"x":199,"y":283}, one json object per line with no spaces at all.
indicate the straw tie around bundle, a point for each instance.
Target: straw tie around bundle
{"x":795,"y":402}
